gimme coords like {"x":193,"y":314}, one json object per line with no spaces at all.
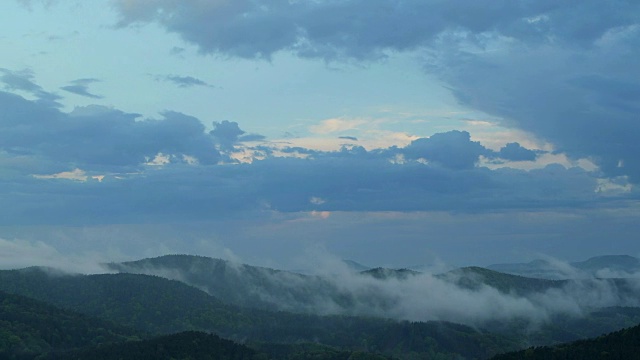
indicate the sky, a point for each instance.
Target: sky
{"x":389,"y":132}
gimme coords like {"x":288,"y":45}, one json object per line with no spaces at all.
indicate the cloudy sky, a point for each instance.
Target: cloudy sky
{"x":389,"y":132}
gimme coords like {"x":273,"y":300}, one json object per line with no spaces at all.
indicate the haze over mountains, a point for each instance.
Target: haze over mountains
{"x":608,"y":266}
{"x":471,"y":295}
{"x":466,"y":313}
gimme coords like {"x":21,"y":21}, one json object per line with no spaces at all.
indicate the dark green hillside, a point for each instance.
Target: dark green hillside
{"x":623,"y":345}
{"x":29,"y":327}
{"x":268,"y":289}
{"x":148,"y":303}
{"x":161,"y":306}
{"x":626,"y":289}
{"x":563,"y":328}
{"x":384,"y":336}
{"x":312,"y":351}
{"x":182,"y":346}
{"x":245,"y":285}
{"x":240,"y":280}
{"x":384,"y":273}
{"x":202,"y":346}
{"x":475,"y":277}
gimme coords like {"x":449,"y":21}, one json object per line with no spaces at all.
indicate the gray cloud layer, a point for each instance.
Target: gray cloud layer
{"x":96,"y":137}
{"x":361,"y":29}
{"x":438,"y":173}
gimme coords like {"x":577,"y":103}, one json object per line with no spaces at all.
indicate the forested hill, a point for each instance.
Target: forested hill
{"x":264,"y":288}
{"x":244,"y":285}
{"x":384,"y":273}
{"x":623,"y":345}
{"x":29,"y":327}
{"x":475,"y":277}
{"x":181,"y":346}
{"x":161,"y":306}
{"x":193,"y":345}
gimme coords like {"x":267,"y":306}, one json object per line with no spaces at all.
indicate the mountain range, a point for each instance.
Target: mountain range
{"x":374,"y":313}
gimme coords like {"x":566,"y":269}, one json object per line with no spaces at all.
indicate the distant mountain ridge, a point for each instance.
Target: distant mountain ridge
{"x":244,"y":285}
{"x":474,"y":277}
{"x":606,"y":266}
{"x":159,"y":306}
{"x":181,"y":292}
{"x":154,"y":305}
{"x":384,"y":273}
{"x":388,"y":293}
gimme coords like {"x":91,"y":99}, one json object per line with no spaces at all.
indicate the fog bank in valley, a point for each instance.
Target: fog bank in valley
{"x":466,"y":296}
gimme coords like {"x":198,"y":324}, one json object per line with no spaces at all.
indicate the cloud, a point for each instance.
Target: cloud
{"x":453,"y":149}
{"x":102,"y":165}
{"x":97,"y":137}
{"x":515,"y":152}
{"x":336,"y":125}
{"x":227,"y":133}
{"x":184,"y":81}
{"x":365,"y":29}
{"x":251,"y":137}
{"x":585,"y":108}
{"x":334,"y":288}
{"x":28,"y":3}
{"x":23,"y":81}
{"x":16,"y":254}
{"x":81,"y":87}
{"x":563,"y":71}
{"x":350,"y":181}
{"x":77,"y":175}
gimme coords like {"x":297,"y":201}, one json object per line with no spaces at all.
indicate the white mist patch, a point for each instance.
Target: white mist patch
{"x":424,"y":297}
{"x":471,"y":296}
{"x":16,"y":254}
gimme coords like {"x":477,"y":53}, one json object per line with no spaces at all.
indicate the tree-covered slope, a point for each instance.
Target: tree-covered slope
{"x":162,"y":306}
{"x":385,"y":273}
{"x":194,"y":345}
{"x":246,"y":285}
{"x":148,"y":303}
{"x":623,"y":345}
{"x":475,"y":277}
{"x":181,"y":346}
{"x":29,"y":327}
{"x":560,"y":310}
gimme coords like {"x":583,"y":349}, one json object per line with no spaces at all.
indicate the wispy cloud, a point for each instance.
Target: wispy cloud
{"x":23,"y":81}
{"x":334,"y":125}
{"x":81,"y":87}
{"x":183,"y":81}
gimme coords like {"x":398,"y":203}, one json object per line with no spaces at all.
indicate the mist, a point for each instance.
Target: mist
{"x":17,"y":254}
{"x":336,"y":289}
{"x":331,"y":287}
